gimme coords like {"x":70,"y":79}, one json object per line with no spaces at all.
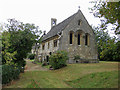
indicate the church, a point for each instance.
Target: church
{"x":73,"y":35}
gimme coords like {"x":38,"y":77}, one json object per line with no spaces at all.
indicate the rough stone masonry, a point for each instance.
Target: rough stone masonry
{"x":73,"y":35}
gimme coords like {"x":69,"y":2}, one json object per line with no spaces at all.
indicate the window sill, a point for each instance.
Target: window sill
{"x":86,"y":45}
{"x":79,"y":45}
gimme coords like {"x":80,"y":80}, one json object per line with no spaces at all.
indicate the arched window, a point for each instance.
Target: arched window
{"x":86,"y":39}
{"x":78,"y":35}
{"x":71,"y":37}
{"x":79,"y":22}
{"x":78,"y":39}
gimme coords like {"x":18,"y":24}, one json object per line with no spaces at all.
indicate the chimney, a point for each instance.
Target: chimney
{"x":53,"y":22}
{"x":44,"y":33}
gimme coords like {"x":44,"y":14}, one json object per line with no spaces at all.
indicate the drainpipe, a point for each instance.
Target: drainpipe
{"x":59,"y":36}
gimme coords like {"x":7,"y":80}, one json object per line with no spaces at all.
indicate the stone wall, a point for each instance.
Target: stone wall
{"x":84,"y":51}
{"x":46,"y":51}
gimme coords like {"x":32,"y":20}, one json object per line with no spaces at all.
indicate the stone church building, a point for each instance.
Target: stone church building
{"x":73,"y":35}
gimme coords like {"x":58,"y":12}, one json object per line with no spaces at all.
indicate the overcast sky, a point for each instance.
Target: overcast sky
{"x":40,"y":12}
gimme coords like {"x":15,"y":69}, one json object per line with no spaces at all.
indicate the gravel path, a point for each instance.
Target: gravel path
{"x":34,"y":67}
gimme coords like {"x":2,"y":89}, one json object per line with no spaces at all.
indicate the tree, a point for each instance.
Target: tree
{"x":0,"y":44}
{"x":101,"y":39}
{"x":109,"y":12}
{"x":7,"y":56}
{"x":108,"y":48}
{"x":21,"y":39}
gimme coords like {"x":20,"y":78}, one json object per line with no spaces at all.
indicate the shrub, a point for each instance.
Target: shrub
{"x":77,"y":57}
{"x":9,"y":73}
{"x":58,"y":59}
{"x":21,"y":65}
{"x":31,"y":56}
{"x":44,"y":64}
{"x":112,"y":53}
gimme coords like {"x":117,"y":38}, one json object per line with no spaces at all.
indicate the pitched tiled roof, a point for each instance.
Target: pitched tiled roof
{"x":58,"y":28}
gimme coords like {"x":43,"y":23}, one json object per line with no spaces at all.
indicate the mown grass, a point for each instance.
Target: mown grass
{"x":96,"y":80}
{"x":71,"y":76}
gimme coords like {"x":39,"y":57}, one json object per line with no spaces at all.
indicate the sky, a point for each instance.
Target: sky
{"x":40,"y":12}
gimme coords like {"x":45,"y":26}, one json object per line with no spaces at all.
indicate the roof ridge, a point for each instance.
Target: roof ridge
{"x":59,"y":27}
{"x":66,"y":19}
{"x":61,"y":22}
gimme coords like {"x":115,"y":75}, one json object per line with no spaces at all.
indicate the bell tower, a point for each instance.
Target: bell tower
{"x":53,"y":22}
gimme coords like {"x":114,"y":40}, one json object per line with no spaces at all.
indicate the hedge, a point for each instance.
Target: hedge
{"x":9,"y":73}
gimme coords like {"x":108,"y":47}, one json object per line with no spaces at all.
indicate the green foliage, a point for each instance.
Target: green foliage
{"x":21,"y":65}
{"x":110,"y":11}
{"x":101,"y":39}
{"x":44,"y":63}
{"x":23,"y":36}
{"x":77,"y":57}
{"x":58,"y":59}
{"x":18,"y":40}
{"x":112,"y":52}
{"x":108,"y":49}
{"x":31,"y":56}
{"x":9,"y":73}
{"x":7,"y":56}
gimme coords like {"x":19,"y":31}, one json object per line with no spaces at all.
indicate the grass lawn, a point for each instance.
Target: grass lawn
{"x":92,"y":75}
{"x":96,"y":80}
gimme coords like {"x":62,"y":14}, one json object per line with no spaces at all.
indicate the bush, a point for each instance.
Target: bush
{"x":58,"y":59}
{"x":77,"y":57}
{"x":9,"y":73}
{"x":31,"y":56}
{"x":112,"y":53}
{"x":44,"y":64}
{"x":21,"y":65}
